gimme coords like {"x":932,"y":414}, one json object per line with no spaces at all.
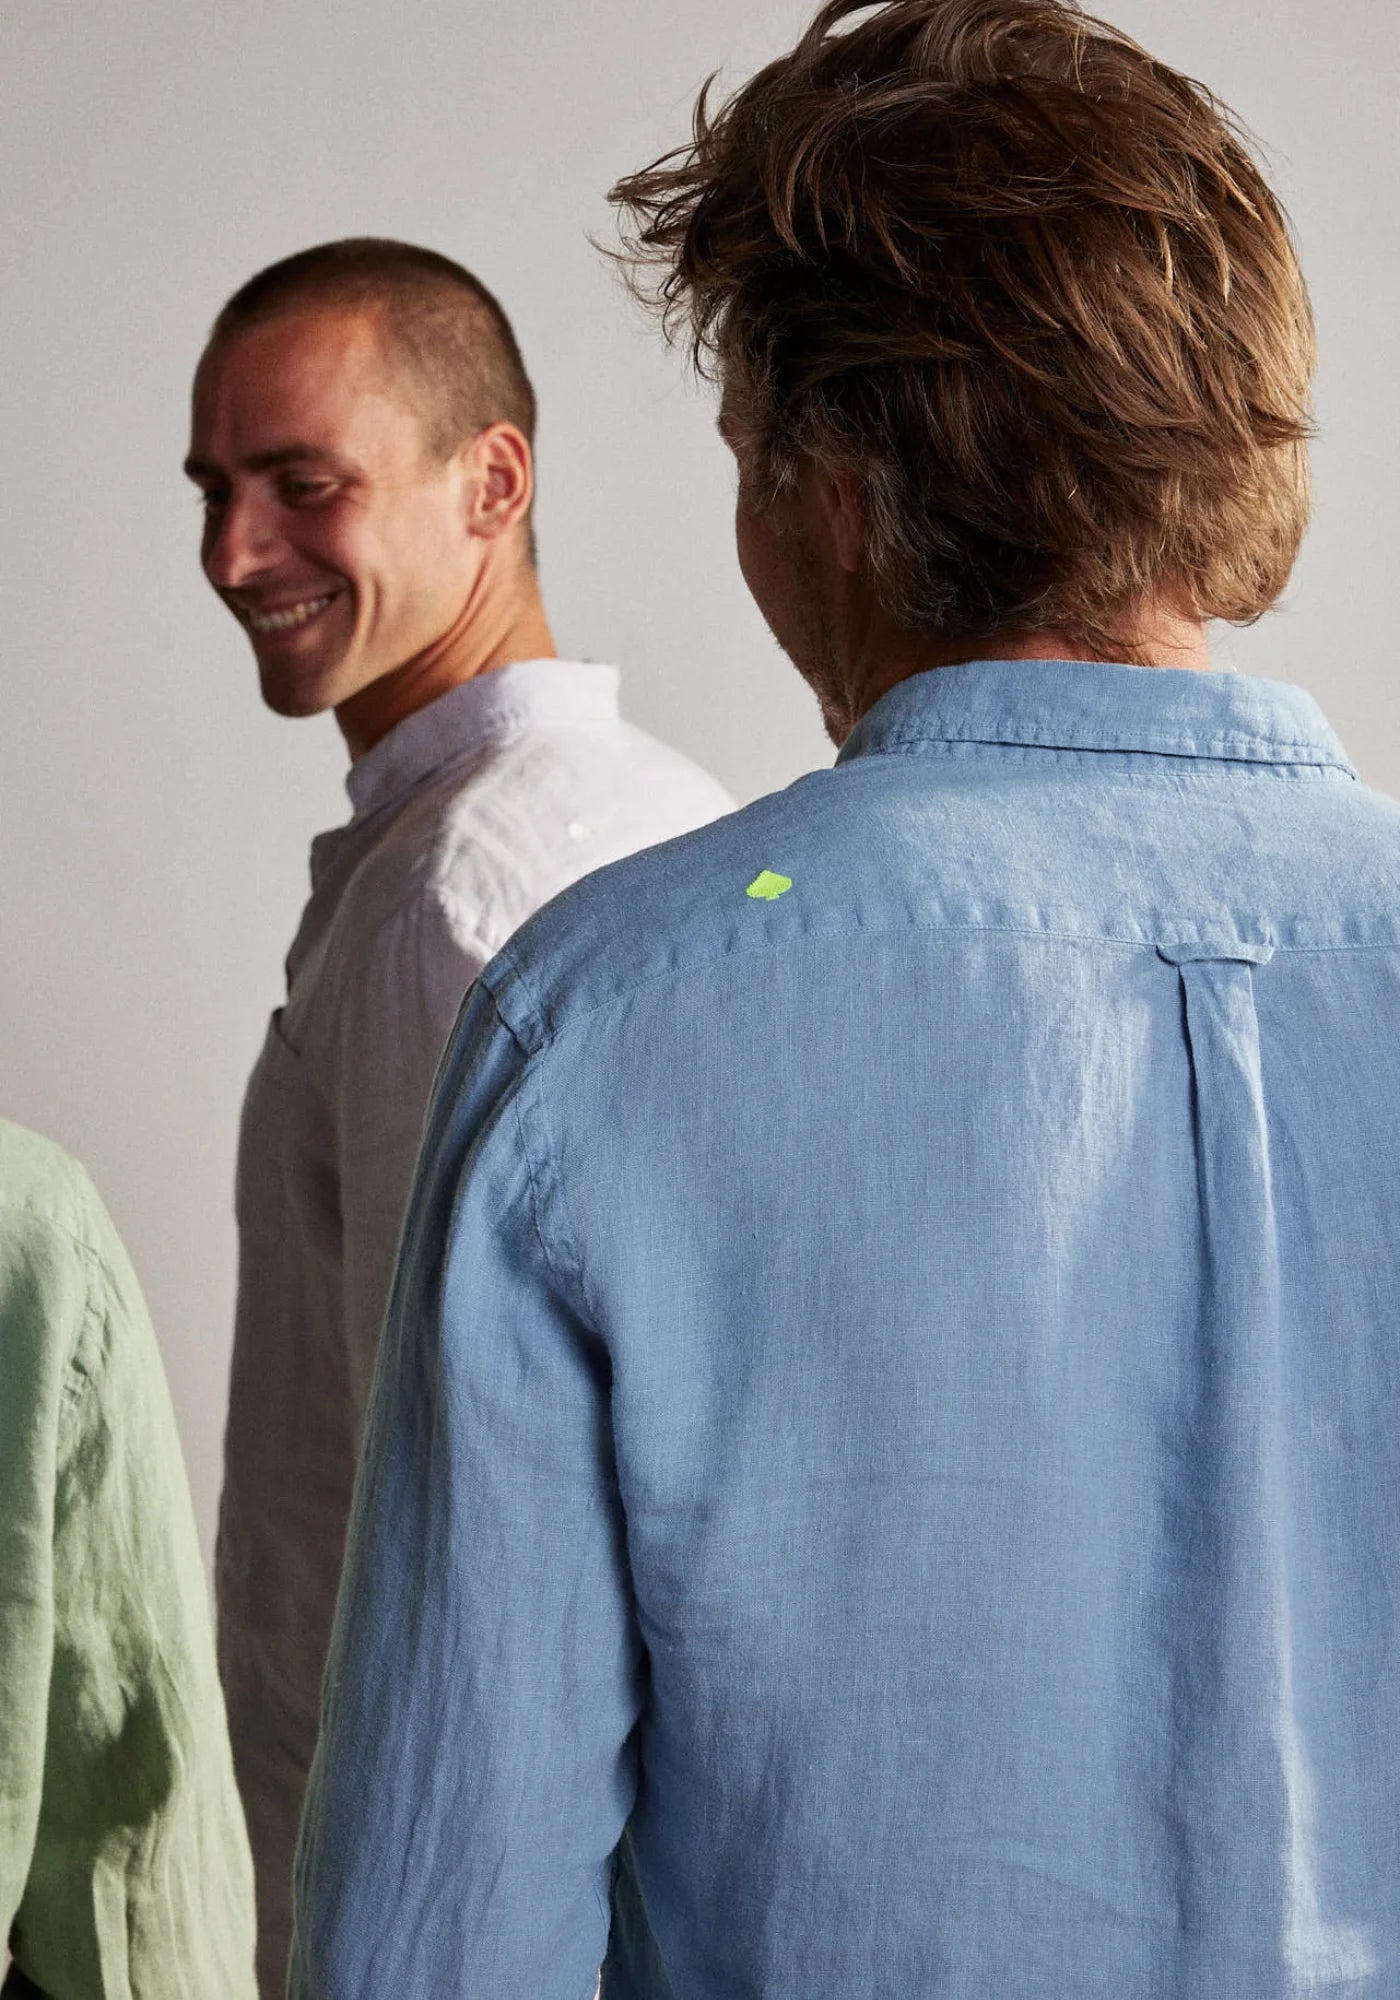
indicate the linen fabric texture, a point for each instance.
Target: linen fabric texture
{"x":466,"y":817}
{"x":886,"y":1435}
{"x":124,"y":1865}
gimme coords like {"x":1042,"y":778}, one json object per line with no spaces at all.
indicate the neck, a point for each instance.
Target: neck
{"x":494,"y":627}
{"x":1156,"y":635}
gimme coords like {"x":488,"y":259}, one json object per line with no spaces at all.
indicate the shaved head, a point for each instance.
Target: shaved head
{"x":443,"y":330}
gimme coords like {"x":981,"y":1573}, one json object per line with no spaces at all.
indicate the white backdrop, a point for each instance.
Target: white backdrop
{"x":153,"y":820}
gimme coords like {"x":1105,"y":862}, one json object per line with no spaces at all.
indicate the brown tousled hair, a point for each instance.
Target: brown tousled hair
{"x":1023,"y":280}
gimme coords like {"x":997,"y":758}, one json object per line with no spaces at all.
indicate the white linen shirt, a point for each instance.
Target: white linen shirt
{"x":467,"y":817}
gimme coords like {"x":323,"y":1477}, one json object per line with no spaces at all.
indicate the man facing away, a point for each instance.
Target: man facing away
{"x":922,"y":1458}
{"x":362,"y":430}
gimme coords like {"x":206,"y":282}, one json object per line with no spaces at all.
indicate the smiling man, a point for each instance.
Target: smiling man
{"x":362,"y":433}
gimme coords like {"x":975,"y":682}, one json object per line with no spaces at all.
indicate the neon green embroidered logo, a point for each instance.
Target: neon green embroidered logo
{"x":768,"y":887}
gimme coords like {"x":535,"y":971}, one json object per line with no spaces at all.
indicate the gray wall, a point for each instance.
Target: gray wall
{"x":154,"y":820}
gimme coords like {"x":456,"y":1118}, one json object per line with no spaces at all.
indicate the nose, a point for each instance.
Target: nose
{"x":240,"y":544}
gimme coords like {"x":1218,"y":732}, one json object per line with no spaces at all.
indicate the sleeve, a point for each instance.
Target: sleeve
{"x":476,"y":1762}
{"x":402,"y":996}
{"x":140,"y":1880}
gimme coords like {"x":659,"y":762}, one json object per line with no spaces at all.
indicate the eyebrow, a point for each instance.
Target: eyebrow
{"x":269,"y":461}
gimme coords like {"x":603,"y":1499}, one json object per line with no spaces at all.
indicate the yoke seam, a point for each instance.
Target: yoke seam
{"x":551,"y":1030}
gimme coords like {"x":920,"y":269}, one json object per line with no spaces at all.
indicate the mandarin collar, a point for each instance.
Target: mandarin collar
{"x":478,"y":714}
{"x":1083,"y":705}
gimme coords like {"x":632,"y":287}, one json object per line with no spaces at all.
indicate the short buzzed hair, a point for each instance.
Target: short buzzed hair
{"x":1022,"y":279}
{"x":449,"y":331}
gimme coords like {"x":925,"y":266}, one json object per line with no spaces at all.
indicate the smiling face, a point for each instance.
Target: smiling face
{"x":337,"y":539}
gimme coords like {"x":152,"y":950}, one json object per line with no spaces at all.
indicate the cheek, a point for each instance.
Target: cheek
{"x":750,"y":539}
{"x":341,"y":538}
{"x":421,"y":554}
{"x":334,"y":543}
{"x":762,"y":562}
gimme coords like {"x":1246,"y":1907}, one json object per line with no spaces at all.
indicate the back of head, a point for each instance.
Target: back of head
{"x":1028,"y":284}
{"x":446,"y":329}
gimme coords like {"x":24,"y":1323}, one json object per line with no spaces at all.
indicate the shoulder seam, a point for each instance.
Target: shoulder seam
{"x":544,"y":1033}
{"x":82,"y":1380}
{"x":572,"y":1283}
{"x":78,"y":1379}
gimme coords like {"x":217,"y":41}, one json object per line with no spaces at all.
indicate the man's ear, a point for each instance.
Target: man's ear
{"x":501,"y":480}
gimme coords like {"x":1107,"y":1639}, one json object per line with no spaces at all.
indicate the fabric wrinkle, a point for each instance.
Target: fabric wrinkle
{"x":942,"y":1543}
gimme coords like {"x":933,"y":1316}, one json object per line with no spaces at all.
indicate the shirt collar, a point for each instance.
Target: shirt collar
{"x":479,"y":714}
{"x":1081,"y":705}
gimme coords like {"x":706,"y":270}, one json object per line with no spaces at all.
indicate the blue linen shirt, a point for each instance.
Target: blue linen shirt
{"x":891,"y":1395}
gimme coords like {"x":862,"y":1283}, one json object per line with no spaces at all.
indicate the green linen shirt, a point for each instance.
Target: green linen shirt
{"x":124,"y":1866}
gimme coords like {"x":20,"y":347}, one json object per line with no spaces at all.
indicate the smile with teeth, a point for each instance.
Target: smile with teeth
{"x":288,"y":616}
